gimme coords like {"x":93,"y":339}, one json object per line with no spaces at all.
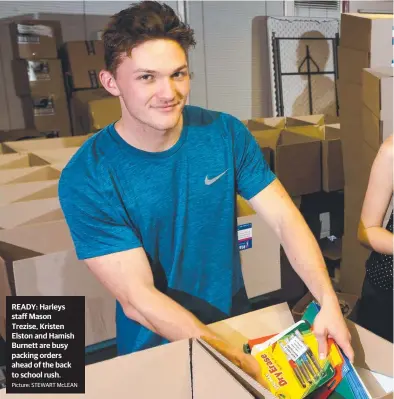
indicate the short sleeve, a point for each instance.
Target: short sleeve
{"x":252,"y":170}
{"x":95,"y":220}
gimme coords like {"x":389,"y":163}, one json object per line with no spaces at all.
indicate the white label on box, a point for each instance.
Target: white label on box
{"x":35,"y":30}
{"x":38,"y":70}
{"x":245,"y":236}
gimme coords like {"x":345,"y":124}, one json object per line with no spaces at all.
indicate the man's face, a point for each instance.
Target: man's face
{"x":154,"y":83}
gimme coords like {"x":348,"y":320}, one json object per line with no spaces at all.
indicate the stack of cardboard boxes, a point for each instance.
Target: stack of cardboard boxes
{"x":365,"y":43}
{"x":37,"y":98}
{"x":83,"y":61}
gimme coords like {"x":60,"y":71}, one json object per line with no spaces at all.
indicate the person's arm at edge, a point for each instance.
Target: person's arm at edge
{"x":275,"y":206}
{"x":371,"y":234}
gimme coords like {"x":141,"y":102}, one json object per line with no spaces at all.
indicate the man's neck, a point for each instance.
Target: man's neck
{"x":146,"y":138}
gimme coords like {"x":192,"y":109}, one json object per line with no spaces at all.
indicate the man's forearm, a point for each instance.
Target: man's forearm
{"x":165,"y":317}
{"x":305,"y":256}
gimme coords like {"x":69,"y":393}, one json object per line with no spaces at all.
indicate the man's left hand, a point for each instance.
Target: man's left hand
{"x":330,"y":323}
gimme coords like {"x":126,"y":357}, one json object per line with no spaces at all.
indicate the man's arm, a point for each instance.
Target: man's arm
{"x":128,"y":276}
{"x":276,"y":207}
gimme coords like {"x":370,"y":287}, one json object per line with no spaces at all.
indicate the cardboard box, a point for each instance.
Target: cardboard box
{"x":377,"y":87}
{"x":104,"y":112}
{"x":262,"y":274}
{"x":19,"y":134}
{"x":55,"y":156}
{"x":296,"y":159}
{"x":346,"y":301}
{"x":368,"y":32}
{"x":51,"y":114}
{"x":256,"y":123}
{"x":85,"y":60}
{"x":350,"y":95}
{"x":25,"y":175}
{"x":34,"y":39}
{"x":15,"y":161}
{"x":14,"y":112}
{"x":28,"y":191}
{"x":45,"y":144}
{"x":79,"y":109}
{"x":38,"y":77}
{"x":306,"y":120}
{"x":30,"y":212}
{"x":375,"y":131}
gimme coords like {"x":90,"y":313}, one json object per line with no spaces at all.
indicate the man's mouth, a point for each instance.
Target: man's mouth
{"x":166,"y":107}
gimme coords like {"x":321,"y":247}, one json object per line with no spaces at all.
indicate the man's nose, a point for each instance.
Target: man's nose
{"x":166,"y":90}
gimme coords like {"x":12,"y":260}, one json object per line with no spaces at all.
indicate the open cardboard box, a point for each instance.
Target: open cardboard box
{"x":193,"y":369}
{"x":296,"y":159}
{"x":26,"y":175}
{"x":30,"y":212}
{"x":16,"y":160}
{"x":45,"y":144}
{"x":30,"y":191}
{"x":55,"y":155}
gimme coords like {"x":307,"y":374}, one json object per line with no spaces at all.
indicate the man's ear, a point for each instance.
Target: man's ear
{"x":109,"y":83}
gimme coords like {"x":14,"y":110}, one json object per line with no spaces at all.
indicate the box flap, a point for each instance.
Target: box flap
{"x":305,"y":120}
{"x":56,"y":155}
{"x":40,"y":238}
{"x":28,"y":191}
{"x":26,"y":175}
{"x":291,"y":138}
{"x":267,"y":138}
{"x":46,"y":144}
{"x":61,"y":273}
{"x":248,"y":382}
{"x":258,"y":124}
{"x":366,"y":346}
{"x":30,"y":212}
{"x":12,"y":161}
{"x":332,"y":132}
{"x":211,"y":380}
{"x":238,"y":330}
{"x":313,"y":131}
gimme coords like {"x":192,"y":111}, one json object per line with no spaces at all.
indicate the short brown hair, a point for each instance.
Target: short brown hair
{"x":138,"y":23}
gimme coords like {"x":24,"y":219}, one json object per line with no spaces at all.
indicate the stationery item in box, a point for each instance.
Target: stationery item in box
{"x":51,"y":115}
{"x":290,"y":362}
{"x":38,"y":77}
{"x":85,"y":59}
{"x":34,"y":39}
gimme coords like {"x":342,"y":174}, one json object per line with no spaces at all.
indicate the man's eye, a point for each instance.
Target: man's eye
{"x":179,"y":75}
{"x":146,"y":77}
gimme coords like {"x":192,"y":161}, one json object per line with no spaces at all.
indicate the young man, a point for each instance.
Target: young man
{"x":151,"y":199}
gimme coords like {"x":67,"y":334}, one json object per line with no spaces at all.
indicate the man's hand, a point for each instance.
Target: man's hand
{"x":245,"y":362}
{"x":330,"y":323}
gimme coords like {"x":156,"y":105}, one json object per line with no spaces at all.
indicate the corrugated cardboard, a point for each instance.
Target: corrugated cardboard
{"x":14,"y":112}
{"x":19,"y":134}
{"x":375,"y":131}
{"x":25,"y":175}
{"x":28,"y":191}
{"x":30,"y":212}
{"x":296,"y":159}
{"x":351,"y":63}
{"x":262,"y":274}
{"x":45,"y":144}
{"x":51,"y":114}
{"x":16,"y":161}
{"x":378,"y":92}
{"x":79,"y":108}
{"x":55,"y":156}
{"x":38,"y":77}
{"x":350,"y":95}
{"x":104,"y":112}
{"x":85,"y":59}
{"x":367,"y":32}
{"x":34,"y":39}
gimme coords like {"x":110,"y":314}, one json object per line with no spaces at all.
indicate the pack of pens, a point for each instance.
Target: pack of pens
{"x":291,"y":365}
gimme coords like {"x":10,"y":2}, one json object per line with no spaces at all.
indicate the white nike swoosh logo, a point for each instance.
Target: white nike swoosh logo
{"x":208,"y":182}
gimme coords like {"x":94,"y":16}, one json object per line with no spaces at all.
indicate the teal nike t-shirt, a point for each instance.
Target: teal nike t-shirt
{"x":179,"y":205}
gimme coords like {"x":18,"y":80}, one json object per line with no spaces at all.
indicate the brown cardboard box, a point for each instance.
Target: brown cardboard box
{"x":38,"y":77}
{"x":15,"y":160}
{"x":54,"y":155}
{"x":25,"y":175}
{"x":377,"y":87}
{"x":22,"y":192}
{"x":34,"y":39}
{"x":306,"y":120}
{"x":30,"y":212}
{"x":51,"y":114}
{"x":262,"y":274}
{"x":104,"y":112}
{"x":370,"y":33}
{"x":85,"y":59}
{"x":296,"y":160}
{"x":79,"y":109}
{"x":19,"y":134}
{"x":351,"y":63}
{"x":45,"y":144}
{"x":375,"y":131}
{"x":350,"y":95}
